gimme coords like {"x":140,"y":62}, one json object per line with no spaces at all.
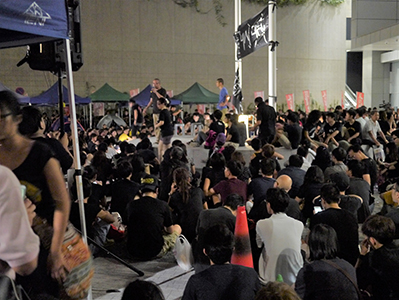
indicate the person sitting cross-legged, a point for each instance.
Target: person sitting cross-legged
{"x":231,"y":185}
{"x":281,"y":236}
{"x":151,"y":231}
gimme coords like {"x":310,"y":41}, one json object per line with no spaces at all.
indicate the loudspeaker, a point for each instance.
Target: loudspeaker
{"x":50,"y":56}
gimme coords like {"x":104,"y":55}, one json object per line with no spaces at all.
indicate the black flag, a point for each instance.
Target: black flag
{"x":237,"y":93}
{"x":252,"y":34}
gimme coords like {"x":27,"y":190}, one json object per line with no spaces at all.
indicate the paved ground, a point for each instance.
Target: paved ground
{"x":111,"y":276}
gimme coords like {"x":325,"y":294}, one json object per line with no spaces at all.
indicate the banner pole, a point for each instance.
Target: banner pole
{"x":237,"y":22}
{"x":272,"y":58}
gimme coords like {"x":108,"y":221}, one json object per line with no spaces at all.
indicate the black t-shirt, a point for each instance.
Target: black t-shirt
{"x":294,"y":134}
{"x":186,"y":214}
{"x":267,"y":115}
{"x":147,"y":218}
{"x":354,"y":128}
{"x":91,"y":212}
{"x":226,"y":281}
{"x":384,"y":125}
{"x":31,"y":174}
{"x":345,"y":226}
{"x":350,"y":203}
{"x":139,"y":113}
{"x":359,"y":187}
{"x":371,"y":169}
{"x":122,"y":192}
{"x":59,"y":151}
{"x":308,"y":193}
{"x":154,"y":98}
{"x":235,"y":136}
{"x":167,"y":127}
{"x":218,"y":127}
{"x":328,"y":129}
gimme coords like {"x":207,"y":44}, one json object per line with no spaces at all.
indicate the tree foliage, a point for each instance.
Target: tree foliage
{"x":218,"y":5}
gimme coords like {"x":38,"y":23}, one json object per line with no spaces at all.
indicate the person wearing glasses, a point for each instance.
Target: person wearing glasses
{"x":378,"y":263}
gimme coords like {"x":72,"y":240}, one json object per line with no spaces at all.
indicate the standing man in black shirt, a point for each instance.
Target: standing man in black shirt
{"x":266,"y":121}
{"x":156,"y":92}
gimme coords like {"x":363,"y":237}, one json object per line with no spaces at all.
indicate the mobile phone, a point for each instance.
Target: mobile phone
{"x":23,"y":191}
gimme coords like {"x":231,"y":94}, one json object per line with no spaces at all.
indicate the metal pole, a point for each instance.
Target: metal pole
{"x":272,"y":54}
{"x":75,"y":139}
{"x":61,"y":102}
{"x":91,"y":115}
{"x":237,"y":22}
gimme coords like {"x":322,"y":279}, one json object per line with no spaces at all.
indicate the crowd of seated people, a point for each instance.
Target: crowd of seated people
{"x":348,"y":156}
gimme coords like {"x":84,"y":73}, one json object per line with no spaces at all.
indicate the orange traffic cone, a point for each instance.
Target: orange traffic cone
{"x":242,"y":254}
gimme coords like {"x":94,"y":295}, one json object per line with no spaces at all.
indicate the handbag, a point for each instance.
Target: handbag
{"x":183,"y":253}
{"x":362,"y":294}
{"x":76,"y":254}
{"x":9,"y":290}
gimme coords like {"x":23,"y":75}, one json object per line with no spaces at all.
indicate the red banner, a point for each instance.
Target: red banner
{"x":342,"y":100}
{"x":201,"y":108}
{"x":324,"y":97}
{"x":359,"y":99}
{"x":290,"y":101}
{"x":134,"y":92}
{"x":259,"y":94}
{"x":306,"y":100}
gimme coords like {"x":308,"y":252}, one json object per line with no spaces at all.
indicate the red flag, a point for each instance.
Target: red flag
{"x":324,"y":96}
{"x":306,"y":99}
{"x":342,"y":99}
{"x":290,"y":101}
{"x":359,"y":99}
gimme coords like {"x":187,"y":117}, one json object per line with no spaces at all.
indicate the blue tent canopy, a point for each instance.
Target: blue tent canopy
{"x":143,"y":97}
{"x":25,"y":22}
{"x":50,"y":97}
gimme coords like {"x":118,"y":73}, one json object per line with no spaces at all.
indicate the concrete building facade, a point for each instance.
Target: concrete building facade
{"x":127,"y":43}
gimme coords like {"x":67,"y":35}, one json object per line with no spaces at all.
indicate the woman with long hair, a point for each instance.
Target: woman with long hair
{"x":323,"y":158}
{"x":35,"y":166}
{"x":327,"y":277}
{"x":312,"y":183}
{"x":186,"y":202}
{"x":214,"y":174}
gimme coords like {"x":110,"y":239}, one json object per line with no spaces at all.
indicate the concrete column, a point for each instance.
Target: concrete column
{"x":367,"y":76}
{"x":375,"y":79}
{"x":395,"y":84}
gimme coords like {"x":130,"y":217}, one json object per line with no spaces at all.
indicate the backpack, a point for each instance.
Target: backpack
{"x":211,"y":140}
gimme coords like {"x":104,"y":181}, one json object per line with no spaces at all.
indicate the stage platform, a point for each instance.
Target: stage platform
{"x":200,"y":154}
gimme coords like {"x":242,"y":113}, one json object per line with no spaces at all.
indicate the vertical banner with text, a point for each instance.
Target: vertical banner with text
{"x":306,"y":100}
{"x":342,"y":100}
{"x":324,"y":97}
{"x":290,"y":101}
{"x":359,"y":99}
{"x":259,"y":94}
